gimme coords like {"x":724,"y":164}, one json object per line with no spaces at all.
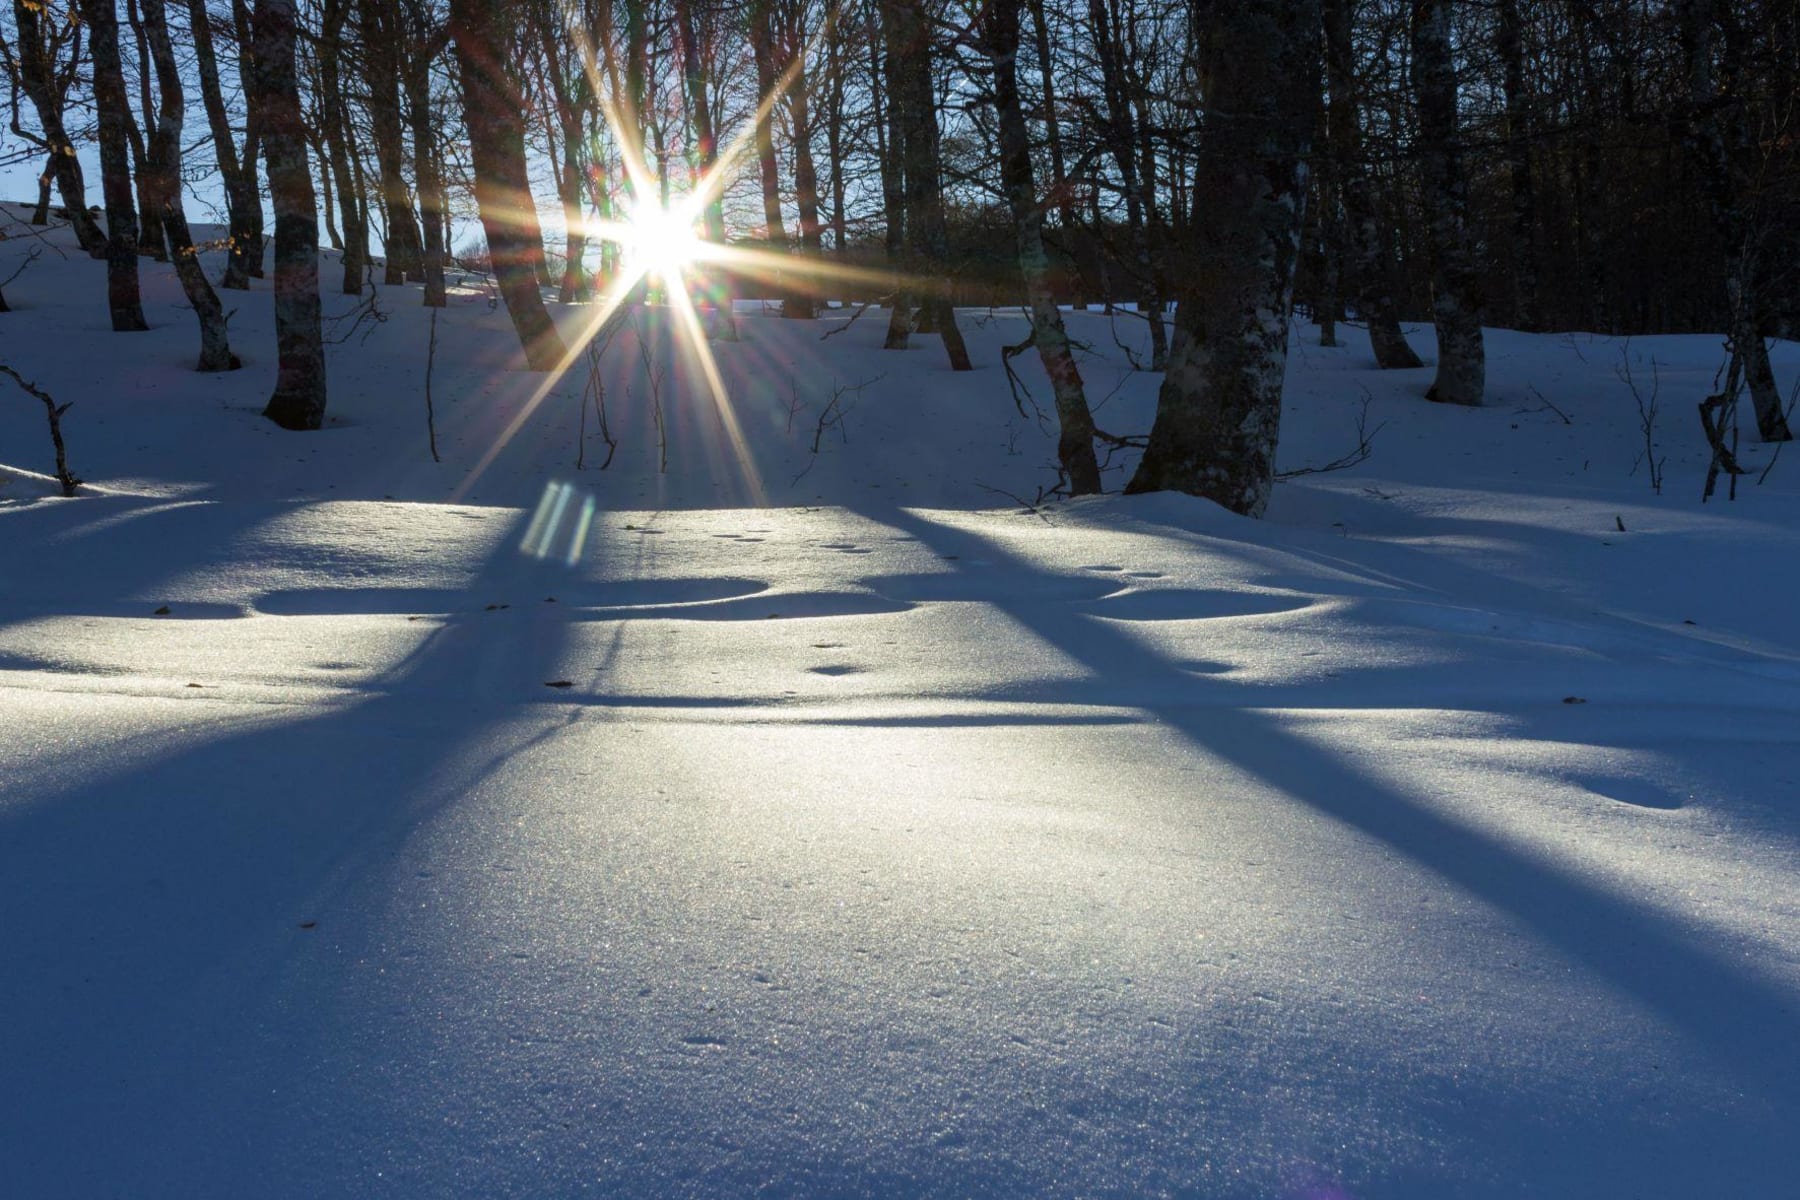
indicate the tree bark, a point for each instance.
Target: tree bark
{"x":152,"y":240}
{"x":1123,"y":137}
{"x":715,"y":295}
{"x":1075,"y":445}
{"x":248,"y":250}
{"x":239,"y":195}
{"x":164,"y":178}
{"x":424,"y":43}
{"x":114,"y":106}
{"x":1456,"y":281}
{"x":1508,"y":42}
{"x":1372,"y":262}
{"x":334,"y":134}
{"x":1218,"y":414}
{"x":1717,"y":138}
{"x":806,"y":175}
{"x":915,"y":102}
{"x":299,"y":398}
{"x":47,"y":88}
{"x":493,"y":110}
{"x":379,"y":24}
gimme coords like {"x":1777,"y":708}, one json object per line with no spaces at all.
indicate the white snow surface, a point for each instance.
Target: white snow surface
{"x":1434,"y":837}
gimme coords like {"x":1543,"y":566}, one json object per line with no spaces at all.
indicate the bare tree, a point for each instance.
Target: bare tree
{"x":1075,"y":447}
{"x":493,"y":110}
{"x":1456,"y":283}
{"x":1218,"y":413}
{"x":38,"y":65}
{"x":164,"y":178}
{"x":299,"y":398}
{"x":114,"y":106}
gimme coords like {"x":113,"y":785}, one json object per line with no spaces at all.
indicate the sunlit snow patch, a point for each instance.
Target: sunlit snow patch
{"x":557,"y":511}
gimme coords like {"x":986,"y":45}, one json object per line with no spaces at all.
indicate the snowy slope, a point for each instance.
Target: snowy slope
{"x":1434,"y":837}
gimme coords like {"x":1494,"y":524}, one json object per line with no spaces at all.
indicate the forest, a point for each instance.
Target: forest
{"x":899,"y":598}
{"x":1612,"y":166}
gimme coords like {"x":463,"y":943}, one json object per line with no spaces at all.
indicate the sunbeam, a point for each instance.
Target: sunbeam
{"x":662,"y":242}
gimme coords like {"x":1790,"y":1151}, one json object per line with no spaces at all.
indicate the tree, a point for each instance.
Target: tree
{"x":1075,"y":447}
{"x":493,"y":111}
{"x":164,"y":180}
{"x":114,"y":107}
{"x":1456,"y":282}
{"x":299,"y":398}
{"x":1218,"y":413}
{"x":1717,"y":135}
{"x":237,"y":174}
{"x":914,"y":121}
{"x":1367,"y":244}
{"x":36,"y":63}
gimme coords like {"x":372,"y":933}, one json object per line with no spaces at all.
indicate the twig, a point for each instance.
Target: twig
{"x":1647,"y":411}
{"x":1365,"y":446}
{"x":36,"y":252}
{"x":54,"y":411}
{"x":366,"y":311}
{"x":855,"y":316}
{"x":1029,"y":506}
{"x":430,"y":413}
{"x":1793,"y":397}
{"x":595,"y":390}
{"x":1021,"y":393}
{"x":830,"y":417}
{"x":1546,"y":405}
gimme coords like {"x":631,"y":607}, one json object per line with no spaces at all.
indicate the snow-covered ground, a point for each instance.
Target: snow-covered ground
{"x":818,"y":822}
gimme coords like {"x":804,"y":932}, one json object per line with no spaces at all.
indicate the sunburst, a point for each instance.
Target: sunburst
{"x":662,"y":242}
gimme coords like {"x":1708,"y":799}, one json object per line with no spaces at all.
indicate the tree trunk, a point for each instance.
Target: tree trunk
{"x":1218,"y":414}
{"x":152,"y":241}
{"x":909,"y":57}
{"x":1456,"y":280}
{"x":716,"y":296}
{"x":379,"y":23}
{"x":48,"y":91}
{"x":40,"y":212}
{"x":299,"y":398}
{"x":114,"y":106}
{"x":165,"y":187}
{"x":768,"y":78}
{"x":1508,"y":43}
{"x":884,"y":86}
{"x":806,"y":175}
{"x":1075,"y":446}
{"x":334,"y":134}
{"x":1717,"y":138}
{"x":247,"y":250}
{"x":1122,"y":138}
{"x":218,"y":121}
{"x":1371,"y":261}
{"x":493,"y":110}
{"x":422,"y":45}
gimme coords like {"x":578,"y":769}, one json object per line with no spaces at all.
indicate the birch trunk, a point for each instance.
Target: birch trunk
{"x":1218,"y":414}
{"x":1075,"y":445}
{"x":1717,"y":138}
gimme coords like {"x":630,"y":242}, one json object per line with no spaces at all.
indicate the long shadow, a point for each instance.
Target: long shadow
{"x":157,"y":895}
{"x":1742,"y":1016}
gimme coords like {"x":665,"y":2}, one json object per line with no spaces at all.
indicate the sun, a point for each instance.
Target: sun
{"x":659,"y":241}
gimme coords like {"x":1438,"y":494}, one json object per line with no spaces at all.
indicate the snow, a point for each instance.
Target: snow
{"x":1434,"y":837}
